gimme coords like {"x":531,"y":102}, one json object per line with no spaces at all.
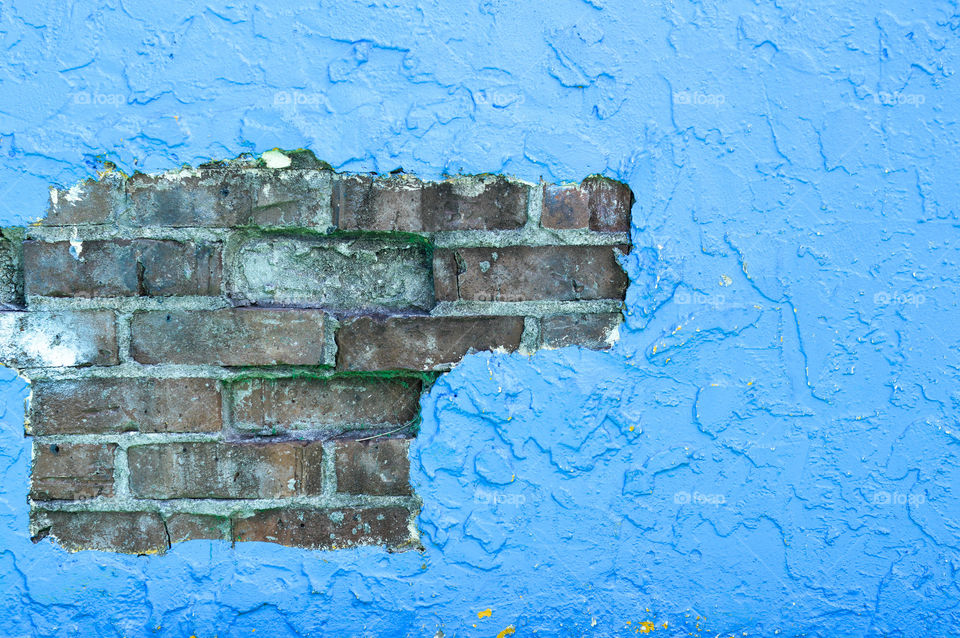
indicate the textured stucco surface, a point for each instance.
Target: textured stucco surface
{"x":771,"y":446}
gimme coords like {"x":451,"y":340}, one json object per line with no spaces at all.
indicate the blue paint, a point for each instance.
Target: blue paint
{"x":793,"y":458}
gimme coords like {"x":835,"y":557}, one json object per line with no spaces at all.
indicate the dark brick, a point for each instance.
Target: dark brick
{"x":378,"y":466}
{"x":190,"y":527}
{"x":598,"y":203}
{"x":406,"y":204}
{"x":11,"y":267}
{"x":522,"y":273}
{"x":171,"y":268}
{"x":304,"y":403}
{"x":224,"y":470}
{"x":127,"y":532}
{"x":241,"y":337}
{"x":445,"y":273}
{"x":291,"y":197}
{"x":72,"y":471}
{"x":588,"y":331}
{"x":326,"y":528}
{"x":92,"y":406}
{"x":89,"y":202}
{"x":421,"y":343}
{"x":58,"y":339}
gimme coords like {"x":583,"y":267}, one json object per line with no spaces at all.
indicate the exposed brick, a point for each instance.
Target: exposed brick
{"x":72,"y":471}
{"x":62,"y":339}
{"x":378,"y":466}
{"x":407,"y":204}
{"x":421,"y":343}
{"x":359,"y":274}
{"x":598,"y":203}
{"x":445,"y":273}
{"x":121,"y":268}
{"x":190,"y":527}
{"x":588,"y":330}
{"x":11,"y":267}
{"x":127,"y":532}
{"x":522,"y":273}
{"x":224,"y":470}
{"x":292,"y":197}
{"x":89,"y":202}
{"x":326,"y":528}
{"x":240,"y":337}
{"x":92,"y":406}
{"x":341,"y":403}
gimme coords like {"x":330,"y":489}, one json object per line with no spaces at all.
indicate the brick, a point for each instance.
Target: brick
{"x":326,"y":528}
{"x":231,"y":196}
{"x":421,"y":343}
{"x":89,"y":202}
{"x":11,"y":268}
{"x":127,"y":532}
{"x":122,"y":268}
{"x":190,"y":527}
{"x":598,"y":203}
{"x":378,"y":466}
{"x":58,"y":339}
{"x":403,"y":203}
{"x":319,"y":404}
{"x":72,"y":471}
{"x":224,"y":470}
{"x":525,"y":273}
{"x":588,"y":330}
{"x":96,"y":406}
{"x":233,"y":337}
{"x":337,"y":274}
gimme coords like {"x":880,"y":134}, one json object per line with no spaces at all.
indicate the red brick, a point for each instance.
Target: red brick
{"x":127,"y":532}
{"x":171,"y":268}
{"x":326,"y":528}
{"x":93,"y":406}
{"x":224,"y":470}
{"x":58,"y":339}
{"x":587,"y":331}
{"x":72,"y":471}
{"x":377,"y":466}
{"x":89,"y":202}
{"x":598,"y":203}
{"x":309,"y":403}
{"x":406,"y":204}
{"x":190,"y":527}
{"x":525,"y":273}
{"x":232,"y":337}
{"x":421,"y":343}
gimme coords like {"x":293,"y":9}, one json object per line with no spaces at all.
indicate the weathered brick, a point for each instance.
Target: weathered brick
{"x":598,"y":203}
{"x":190,"y":527}
{"x":72,"y":471}
{"x":588,"y":330}
{"x":421,"y":343}
{"x":326,"y":528}
{"x":127,"y":532}
{"x":89,"y":202}
{"x":58,"y":339}
{"x":93,"y":406}
{"x":406,"y":204}
{"x":307,"y":404}
{"x":233,"y":337}
{"x":224,"y":470}
{"x":378,"y":466}
{"x":231,"y":196}
{"x":337,"y":274}
{"x":121,"y":268}
{"x":11,"y":267}
{"x":522,"y":273}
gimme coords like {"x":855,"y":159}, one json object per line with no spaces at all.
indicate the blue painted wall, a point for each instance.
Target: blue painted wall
{"x":772,"y":447}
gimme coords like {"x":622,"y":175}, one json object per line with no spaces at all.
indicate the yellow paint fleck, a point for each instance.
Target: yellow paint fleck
{"x":646,"y":627}
{"x":486,"y":613}
{"x":631,"y":428}
{"x":509,"y":631}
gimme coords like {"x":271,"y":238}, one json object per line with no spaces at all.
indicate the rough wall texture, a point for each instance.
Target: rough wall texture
{"x":237,"y":353}
{"x":788,"y":361}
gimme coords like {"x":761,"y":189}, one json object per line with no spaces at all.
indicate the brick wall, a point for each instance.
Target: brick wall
{"x":238,"y":352}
